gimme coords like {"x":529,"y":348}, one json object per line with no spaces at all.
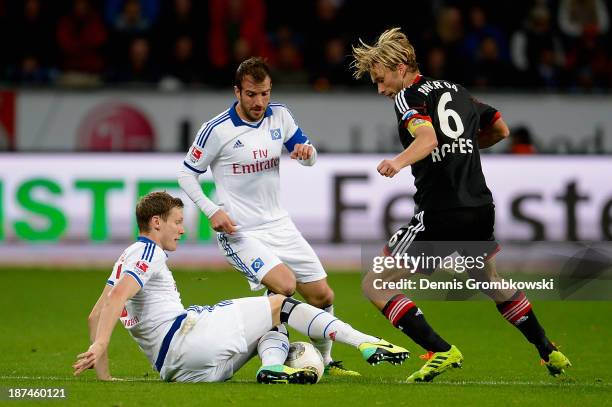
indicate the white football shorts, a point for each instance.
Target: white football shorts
{"x":255,"y":252}
{"x":222,"y":338}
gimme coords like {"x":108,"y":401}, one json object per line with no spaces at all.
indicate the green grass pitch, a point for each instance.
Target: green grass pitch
{"x":44,"y":326}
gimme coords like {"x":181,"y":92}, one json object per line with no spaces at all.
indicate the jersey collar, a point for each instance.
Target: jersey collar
{"x":147,"y":240}
{"x":417,"y":79}
{"x":238,"y":121}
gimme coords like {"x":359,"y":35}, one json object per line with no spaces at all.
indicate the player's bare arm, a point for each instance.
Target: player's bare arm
{"x":125,"y":289}
{"x":494,"y":134}
{"x":102,"y":370}
{"x":424,"y":143}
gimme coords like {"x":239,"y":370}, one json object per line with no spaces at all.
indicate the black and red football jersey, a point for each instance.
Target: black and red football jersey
{"x":451,"y":176}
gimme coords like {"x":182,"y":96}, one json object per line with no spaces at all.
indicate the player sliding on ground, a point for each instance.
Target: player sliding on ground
{"x":441,"y":128}
{"x":204,"y":343}
{"x":242,"y":146}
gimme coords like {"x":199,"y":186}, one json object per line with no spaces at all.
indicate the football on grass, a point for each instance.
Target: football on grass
{"x":302,"y":355}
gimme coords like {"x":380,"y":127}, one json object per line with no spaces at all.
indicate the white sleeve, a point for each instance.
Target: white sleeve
{"x":115,"y":274}
{"x":293,"y":135}
{"x":117,"y":269}
{"x":188,"y":181}
{"x":202,"y":153}
{"x":143,"y":264}
{"x":290,"y":126}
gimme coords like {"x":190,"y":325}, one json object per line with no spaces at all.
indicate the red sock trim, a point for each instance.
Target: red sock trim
{"x":517,"y":309}
{"x":400,"y":304}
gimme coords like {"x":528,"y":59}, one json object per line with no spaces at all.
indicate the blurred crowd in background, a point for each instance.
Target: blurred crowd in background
{"x":554,"y":45}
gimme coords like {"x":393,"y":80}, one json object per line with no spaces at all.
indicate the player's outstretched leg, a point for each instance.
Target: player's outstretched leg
{"x":319,"y":294}
{"x":332,"y":367}
{"x":316,"y":323}
{"x":273,"y":348}
{"x":518,"y":312}
{"x":406,"y":316}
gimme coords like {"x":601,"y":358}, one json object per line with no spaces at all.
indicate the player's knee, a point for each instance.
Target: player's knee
{"x":322,"y":298}
{"x":284,"y":286}
{"x":327,"y":298}
{"x":331,"y":296}
{"x":285,"y":289}
{"x":280,"y":280}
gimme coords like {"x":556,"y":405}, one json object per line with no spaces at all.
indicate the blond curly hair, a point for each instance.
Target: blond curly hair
{"x":391,"y":49}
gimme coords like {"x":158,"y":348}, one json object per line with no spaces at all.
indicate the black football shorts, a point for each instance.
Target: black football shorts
{"x":468,"y":231}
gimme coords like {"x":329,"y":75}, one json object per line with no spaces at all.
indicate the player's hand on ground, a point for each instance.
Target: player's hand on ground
{"x":302,"y":152}
{"x":88,"y":359}
{"x":221,"y":222}
{"x":388,"y":168}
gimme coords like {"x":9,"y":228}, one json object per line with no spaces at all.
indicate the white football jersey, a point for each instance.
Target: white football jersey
{"x":149,"y":314}
{"x":244,"y":159}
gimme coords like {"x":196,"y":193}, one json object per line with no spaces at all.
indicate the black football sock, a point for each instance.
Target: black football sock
{"x":406,"y":316}
{"x":518,"y":312}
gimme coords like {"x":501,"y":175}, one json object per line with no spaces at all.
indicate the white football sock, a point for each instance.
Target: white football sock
{"x":273,"y":348}
{"x":324,"y":345}
{"x":319,"y":324}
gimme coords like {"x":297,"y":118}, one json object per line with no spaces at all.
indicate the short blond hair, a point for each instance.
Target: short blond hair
{"x":391,"y":49}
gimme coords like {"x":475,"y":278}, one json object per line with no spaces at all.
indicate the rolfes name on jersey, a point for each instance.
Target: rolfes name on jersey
{"x":451,"y":176}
